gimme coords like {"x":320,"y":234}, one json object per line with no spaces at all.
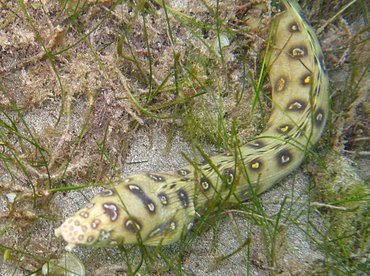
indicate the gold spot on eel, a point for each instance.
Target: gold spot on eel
{"x":158,"y":208}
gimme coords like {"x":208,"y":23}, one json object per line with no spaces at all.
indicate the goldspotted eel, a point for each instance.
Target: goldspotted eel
{"x":158,"y":208}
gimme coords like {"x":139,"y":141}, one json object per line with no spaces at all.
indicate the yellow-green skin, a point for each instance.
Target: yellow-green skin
{"x":158,"y":208}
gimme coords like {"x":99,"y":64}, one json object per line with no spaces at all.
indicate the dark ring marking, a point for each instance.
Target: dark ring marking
{"x":107,"y":192}
{"x":134,"y":188}
{"x":281,"y":84}
{"x":151,"y":207}
{"x":229,"y":174}
{"x":256,"y":144}
{"x":204,"y":184}
{"x":95,"y":223}
{"x":294,"y":27}
{"x":207,"y":169}
{"x":204,"y":162}
{"x":183,"y":172}
{"x":155,"y":232}
{"x":133,"y":225}
{"x":296,"y":105}
{"x":149,"y":204}
{"x":298,"y":52}
{"x":104,"y":235}
{"x":183,"y":197}
{"x":111,"y":210}
{"x":277,"y":8}
{"x":306,"y":79}
{"x":163,"y":228}
{"x":156,"y":178}
{"x":90,"y":239}
{"x":284,"y":157}
{"x":255,"y":165}
{"x":284,"y":129}
{"x":319,"y":117}
{"x":163,"y":198}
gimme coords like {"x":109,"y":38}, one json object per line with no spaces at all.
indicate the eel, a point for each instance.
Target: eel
{"x":159,"y":208}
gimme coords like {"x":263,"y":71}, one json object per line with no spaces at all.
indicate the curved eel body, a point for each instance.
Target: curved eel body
{"x":158,"y":208}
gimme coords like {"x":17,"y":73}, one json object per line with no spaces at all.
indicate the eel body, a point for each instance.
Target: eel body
{"x":158,"y":208}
